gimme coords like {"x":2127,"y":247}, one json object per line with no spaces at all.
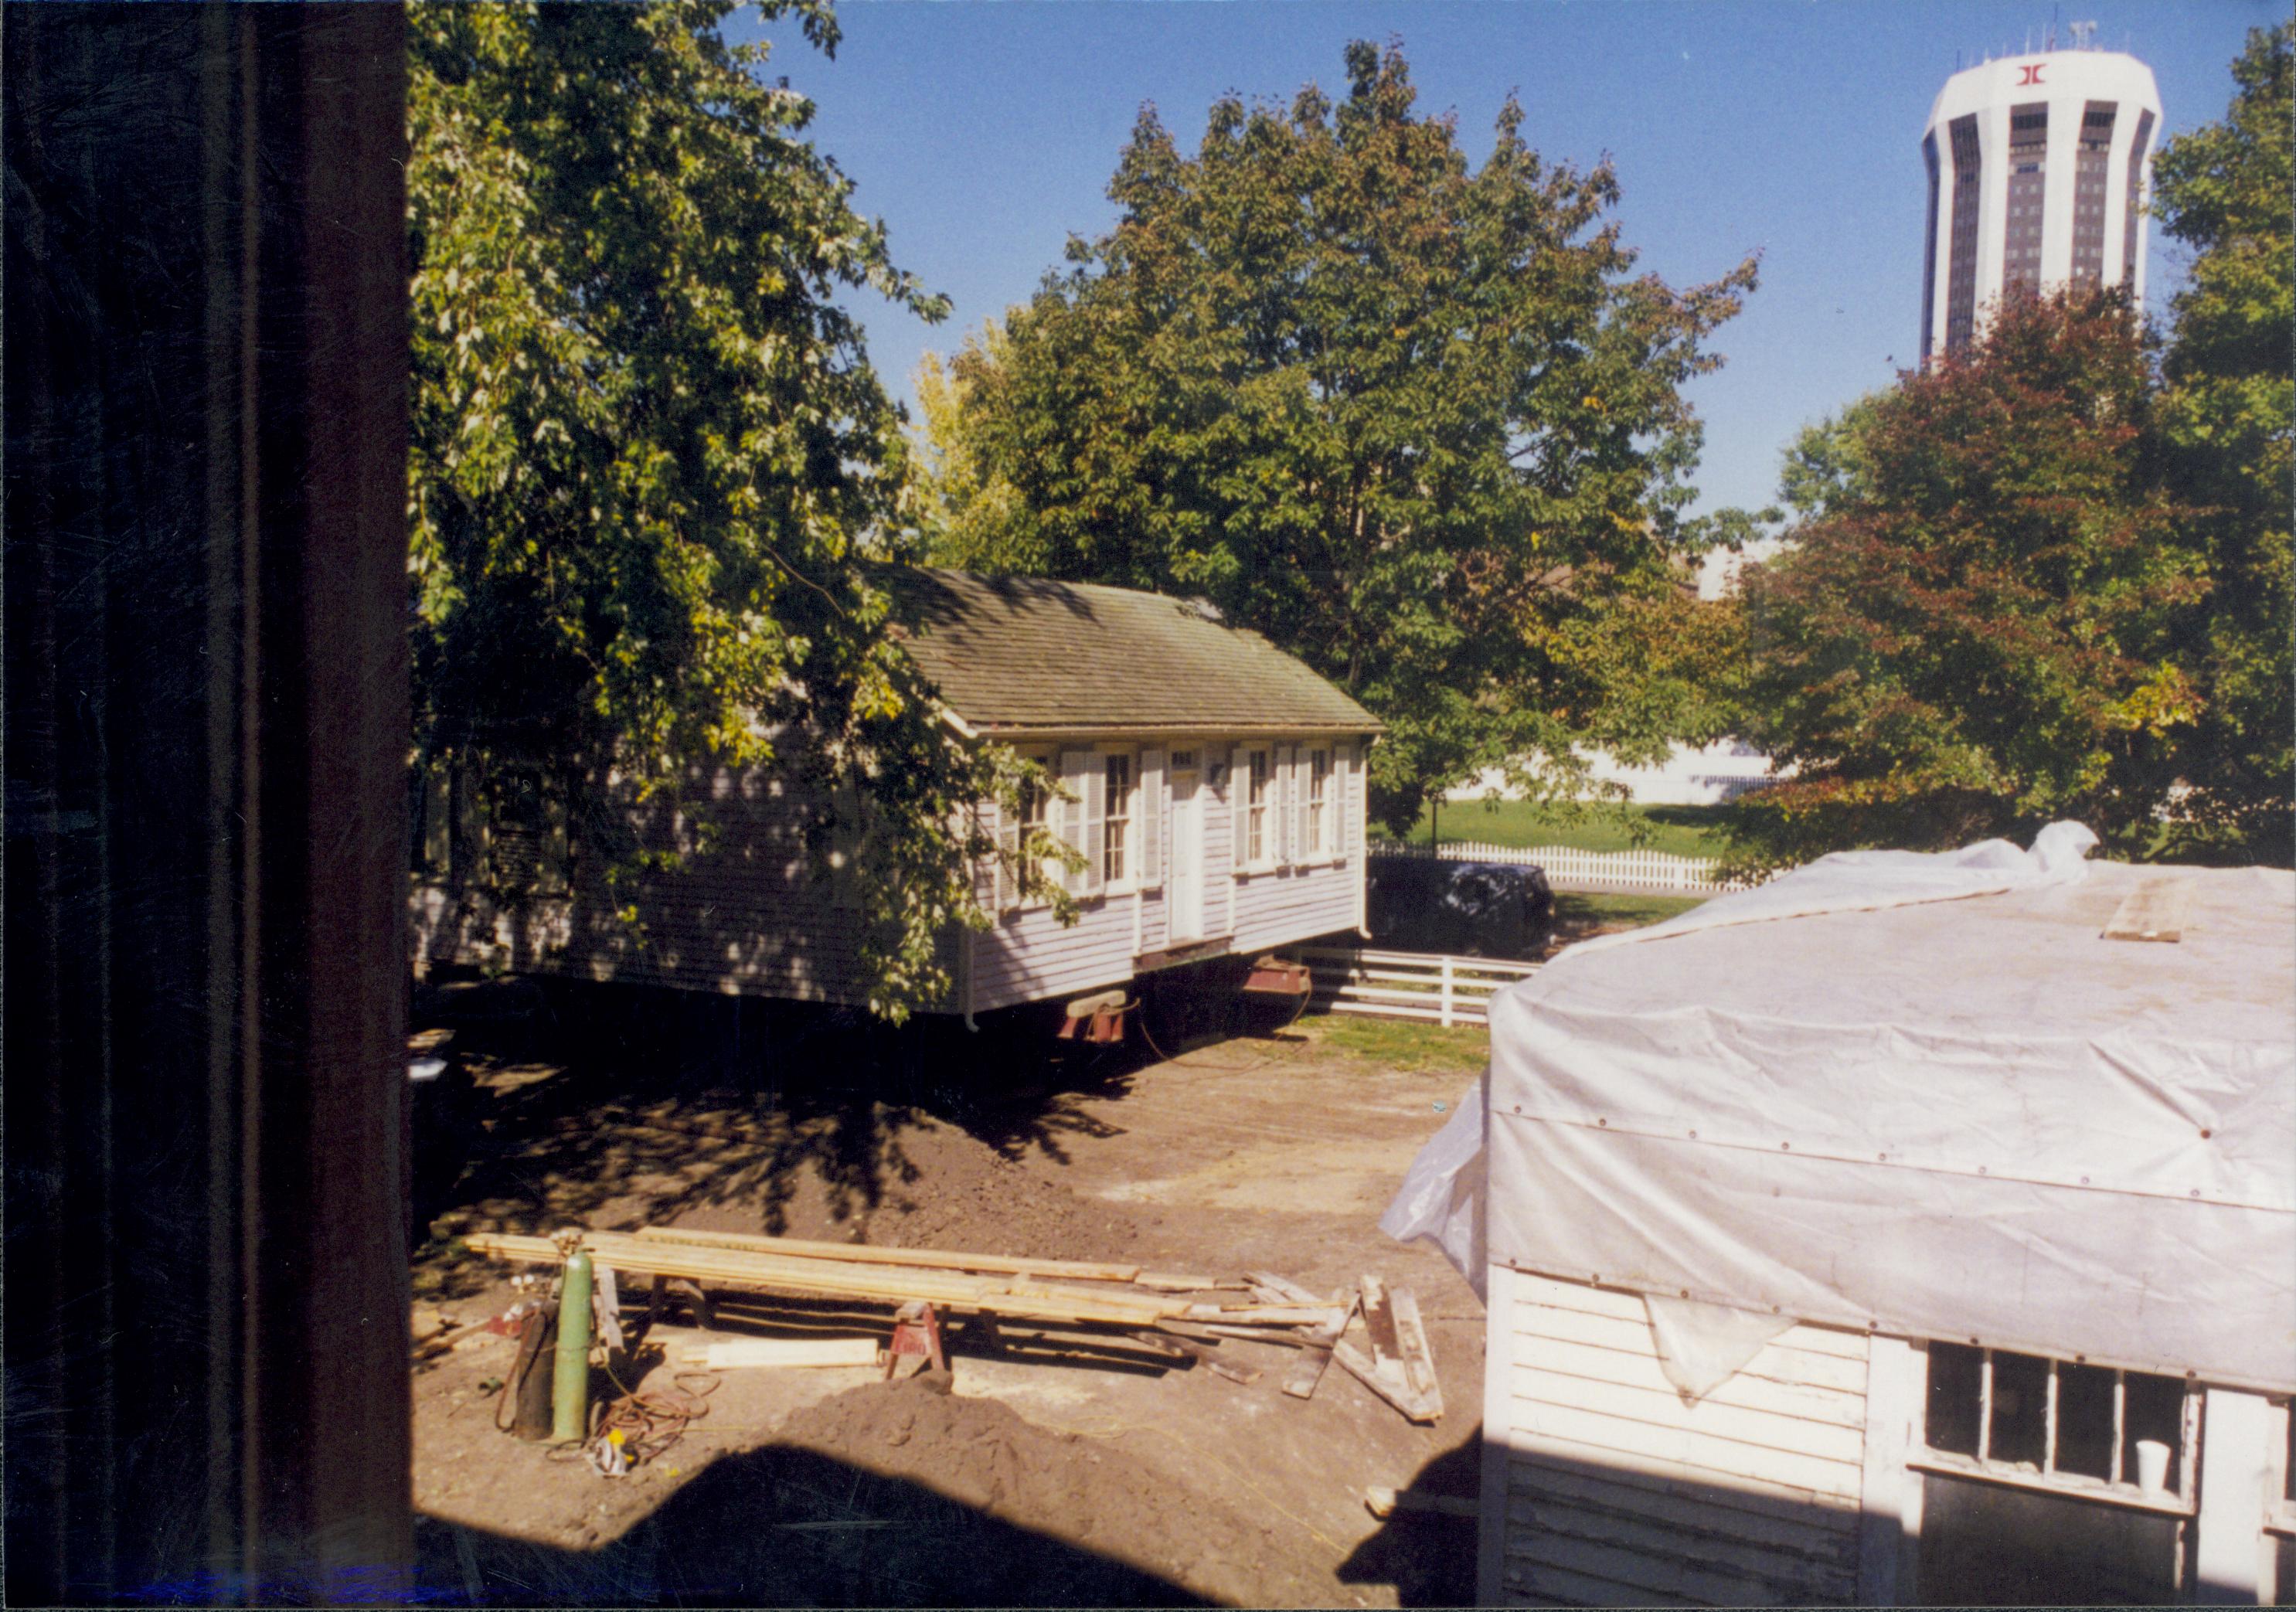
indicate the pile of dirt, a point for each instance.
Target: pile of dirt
{"x":903,"y":1179}
{"x":1125,"y":1515}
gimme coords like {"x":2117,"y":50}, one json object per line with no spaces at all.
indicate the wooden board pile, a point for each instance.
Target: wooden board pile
{"x":1168,"y":1313}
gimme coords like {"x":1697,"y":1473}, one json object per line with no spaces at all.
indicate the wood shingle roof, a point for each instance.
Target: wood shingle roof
{"x":1023,"y":652}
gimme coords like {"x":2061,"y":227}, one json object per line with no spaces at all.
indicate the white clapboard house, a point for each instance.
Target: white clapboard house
{"x":1911,"y":1230}
{"x":1219,"y":806}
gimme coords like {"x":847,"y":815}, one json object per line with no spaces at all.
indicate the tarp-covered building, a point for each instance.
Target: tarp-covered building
{"x":1897,"y":1232}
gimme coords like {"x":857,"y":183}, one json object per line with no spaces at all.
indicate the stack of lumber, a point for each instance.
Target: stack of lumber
{"x":1145,"y":1305}
{"x":1057,"y":1291}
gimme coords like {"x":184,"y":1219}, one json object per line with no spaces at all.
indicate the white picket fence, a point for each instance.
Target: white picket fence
{"x":1409,"y":985}
{"x":1569,"y":868}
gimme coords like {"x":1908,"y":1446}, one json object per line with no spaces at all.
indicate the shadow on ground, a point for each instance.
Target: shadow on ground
{"x":614,"y":1105}
{"x":1428,"y":1556}
{"x":788,"y":1526}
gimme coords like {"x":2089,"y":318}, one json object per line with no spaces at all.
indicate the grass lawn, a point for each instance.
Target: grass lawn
{"x":1686,"y":831}
{"x":1409,"y":1046}
{"x":1579,"y":912}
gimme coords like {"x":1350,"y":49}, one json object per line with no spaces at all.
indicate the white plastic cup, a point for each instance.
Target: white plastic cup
{"x":2151,"y":1465}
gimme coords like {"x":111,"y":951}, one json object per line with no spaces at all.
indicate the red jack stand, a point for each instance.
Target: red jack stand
{"x":916,"y":1331}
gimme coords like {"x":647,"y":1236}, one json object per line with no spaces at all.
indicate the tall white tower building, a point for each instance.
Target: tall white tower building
{"x":2038,"y":177}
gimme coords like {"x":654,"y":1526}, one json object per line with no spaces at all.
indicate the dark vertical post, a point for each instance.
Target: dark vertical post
{"x":206,"y":365}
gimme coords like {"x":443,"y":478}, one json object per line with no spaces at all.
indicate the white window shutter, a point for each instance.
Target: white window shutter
{"x":1095,"y":823}
{"x":1295,"y":803}
{"x":1239,"y":791}
{"x":1349,"y":782}
{"x":1343,"y":757}
{"x":1148,"y":818}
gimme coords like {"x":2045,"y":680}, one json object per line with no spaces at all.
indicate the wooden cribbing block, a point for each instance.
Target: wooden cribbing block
{"x":786,"y":1351}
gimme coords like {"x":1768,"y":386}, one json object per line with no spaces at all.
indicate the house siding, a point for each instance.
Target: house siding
{"x":748,"y":914}
{"x":1603,"y":1487}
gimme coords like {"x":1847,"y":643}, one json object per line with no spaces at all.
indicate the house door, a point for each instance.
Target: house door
{"x":1187,"y":915}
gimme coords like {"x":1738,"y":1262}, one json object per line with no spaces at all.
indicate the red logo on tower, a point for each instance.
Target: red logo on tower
{"x":2030,"y":74}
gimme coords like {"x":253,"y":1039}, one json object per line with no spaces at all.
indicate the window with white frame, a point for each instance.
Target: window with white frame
{"x":1033,"y":816}
{"x":1116,"y":860}
{"x":2078,"y":1427}
{"x":1321,"y":839}
{"x":1255,"y":811}
{"x":2039,"y":1470}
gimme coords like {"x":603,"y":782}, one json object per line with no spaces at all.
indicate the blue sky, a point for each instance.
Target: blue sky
{"x":983,"y":135}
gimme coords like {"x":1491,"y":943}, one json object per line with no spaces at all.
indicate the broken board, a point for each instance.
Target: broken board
{"x":2157,"y":909}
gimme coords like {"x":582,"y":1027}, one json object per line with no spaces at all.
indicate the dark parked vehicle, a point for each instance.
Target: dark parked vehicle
{"x":1468,"y":909}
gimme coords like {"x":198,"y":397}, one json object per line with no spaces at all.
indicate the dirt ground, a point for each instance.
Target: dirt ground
{"x":1052,"y":1470}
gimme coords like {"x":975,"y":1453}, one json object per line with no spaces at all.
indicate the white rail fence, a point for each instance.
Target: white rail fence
{"x":1569,"y":868}
{"x":1409,"y":985}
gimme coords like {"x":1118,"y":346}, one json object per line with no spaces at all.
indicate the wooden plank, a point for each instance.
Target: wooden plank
{"x":1384,"y":1503}
{"x":789,"y":1352}
{"x":1358,"y":1365}
{"x":1379,"y":1326}
{"x":889,"y":1284}
{"x":1418,"y":1355}
{"x":1263,"y":1315}
{"x":2159,"y":908}
{"x":1752,"y":1428}
{"x":1596,"y":1439}
{"x":1619,"y":1303}
{"x":1316,"y":1355}
{"x":1694,"y":1508}
{"x":1780,"y":1574}
{"x":1781,"y":1359}
{"x":864,"y":1254}
{"x":1639,"y":1368}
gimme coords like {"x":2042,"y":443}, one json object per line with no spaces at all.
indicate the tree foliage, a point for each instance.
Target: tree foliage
{"x":2049,"y":578}
{"x":1418,"y":423}
{"x":2228,"y":418}
{"x":1976,"y":628}
{"x":651,"y":461}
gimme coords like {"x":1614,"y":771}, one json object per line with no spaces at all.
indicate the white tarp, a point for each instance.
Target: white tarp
{"x":1916,"y":1093}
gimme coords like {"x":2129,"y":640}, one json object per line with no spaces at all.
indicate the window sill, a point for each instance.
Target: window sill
{"x":2067,"y":1487}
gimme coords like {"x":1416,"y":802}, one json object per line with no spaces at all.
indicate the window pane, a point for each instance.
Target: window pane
{"x":2154,"y":1411}
{"x":2020,"y":1409}
{"x":1952,"y":1416}
{"x":2085,"y":1421}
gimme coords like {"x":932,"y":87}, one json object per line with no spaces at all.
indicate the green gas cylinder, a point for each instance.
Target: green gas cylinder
{"x":570,"y":1398}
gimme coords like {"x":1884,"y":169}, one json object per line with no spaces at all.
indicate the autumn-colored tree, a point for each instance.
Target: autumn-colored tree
{"x":651,"y":461}
{"x":1417,"y":421}
{"x":1981,"y":621}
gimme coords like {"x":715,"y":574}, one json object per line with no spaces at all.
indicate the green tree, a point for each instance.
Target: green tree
{"x":1417,"y":422}
{"x":1978,"y":625}
{"x":2229,"y":415}
{"x":651,"y":461}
